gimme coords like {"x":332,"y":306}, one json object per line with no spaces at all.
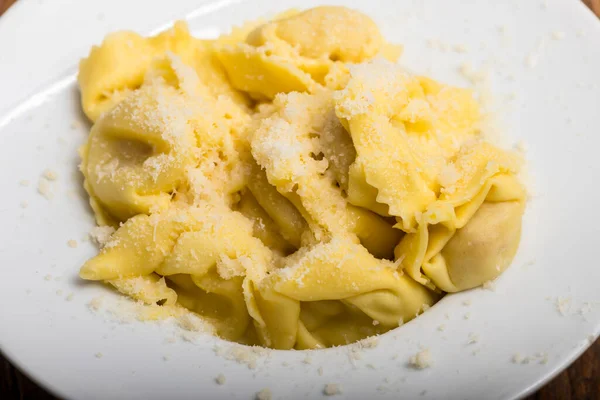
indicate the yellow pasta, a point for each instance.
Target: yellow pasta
{"x":119,"y":66}
{"x":288,"y":183}
{"x":138,"y":152}
{"x":471,"y":233}
{"x":297,"y":50}
{"x":404,"y":129}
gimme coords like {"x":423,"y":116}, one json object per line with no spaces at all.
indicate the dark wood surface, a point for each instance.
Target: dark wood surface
{"x":580,"y":381}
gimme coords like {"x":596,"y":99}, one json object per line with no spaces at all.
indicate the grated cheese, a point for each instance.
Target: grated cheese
{"x":563,"y":305}
{"x":460,"y":48}
{"x":241,"y":354}
{"x":332,"y":389}
{"x":421,"y":360}
{"x":220,"y":379}
{"x":44,"y":188}
{"x":532,"y":59}
{"x":95,"y":304}
{"x":591,"y":339}
{"x":101,"y":234}
{"x":473,"y":338}
{"x":50,"y":175}
{"x":540,"y":357}
{"x":192,"y":323}
{"x":72,"y":243}
{"x":264,"y":394}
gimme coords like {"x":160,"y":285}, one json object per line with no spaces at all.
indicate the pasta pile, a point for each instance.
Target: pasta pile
{"x":289,"y":182}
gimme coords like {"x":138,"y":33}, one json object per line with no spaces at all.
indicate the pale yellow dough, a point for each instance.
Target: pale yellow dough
{"x":289,"y":182}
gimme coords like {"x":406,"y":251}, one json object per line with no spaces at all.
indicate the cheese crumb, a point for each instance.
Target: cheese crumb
{"x":563,"y":305}
{"x":220,"y":379}
{"x":101,"y":234}
{"x":24,"y":204}
{"x":558,"y":35}
{"x":460,"y":48}
{"x":69,"y":297}
{"x":591,"y":339}
{"x":193,"y":323}
{"x":441,"y":328}
{"x":50,"y":175}
{"x":473,"y":338}
{"x":489,"y":285}
{"x":475,"y":77}
{"x":99,"y":355}
{"x":241,"y":354}
{"x":95,"y":303}
{"x":517,"y":358}
{"x":44,"y":188}
{"x":466,"y":302}
{"x":467,"y":315}
{"x":369,"y":343}
{"x":264,"y":394}
{"x":421,"y":360}
{"x":332,"y":389}
{"x":188,"y":336}
{"x":320,"y":371}
{"x":532,"y":58}
{"x":72,"y":243}
{"x":24,"y":182}
{"x":48,"y":277}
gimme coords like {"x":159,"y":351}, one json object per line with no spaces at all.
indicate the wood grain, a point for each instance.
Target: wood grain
{"x":4,"y":4}
{"x":594,"y":5}
{"x":580,"y":381}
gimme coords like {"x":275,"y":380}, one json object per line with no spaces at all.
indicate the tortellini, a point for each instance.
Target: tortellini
{"x":138,"y":152}
{"x":471,"y":233}
{"x":119,"y":66}
{"x":404,"y":129}
{"x":296,"y":51}
{"x":288,"y":182}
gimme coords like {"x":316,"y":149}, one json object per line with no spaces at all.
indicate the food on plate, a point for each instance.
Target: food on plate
{"x":289,"y":182}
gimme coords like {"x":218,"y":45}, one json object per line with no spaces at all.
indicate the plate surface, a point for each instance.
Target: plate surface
{"x":542,"y":63}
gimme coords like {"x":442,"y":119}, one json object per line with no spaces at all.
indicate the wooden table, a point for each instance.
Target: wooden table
{"x":580,"y":381}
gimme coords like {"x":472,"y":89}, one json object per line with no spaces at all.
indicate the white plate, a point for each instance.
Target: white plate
{"x":555,"y":111}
